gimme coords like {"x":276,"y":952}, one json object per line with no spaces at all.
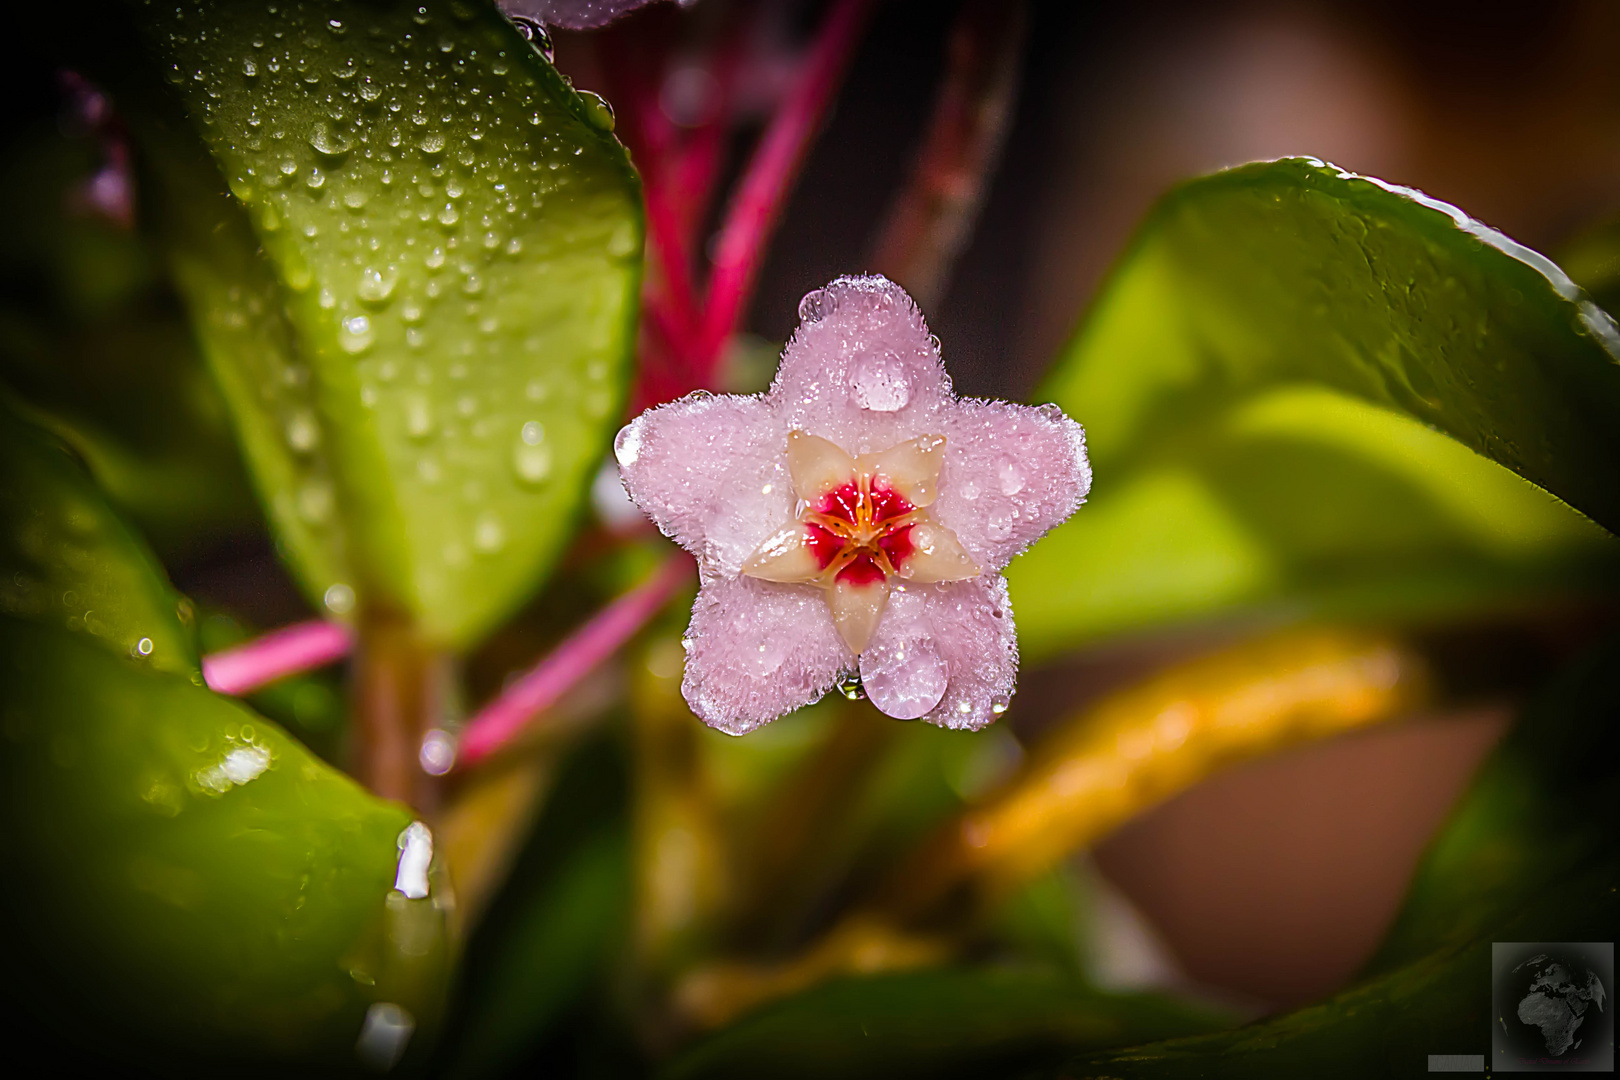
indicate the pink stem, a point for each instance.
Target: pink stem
{"x":765,"y":184}
{"x":288,"y":651}
{"x":501,"y":721}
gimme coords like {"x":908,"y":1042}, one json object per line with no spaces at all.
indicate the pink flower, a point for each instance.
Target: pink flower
{"x":855,"y":517}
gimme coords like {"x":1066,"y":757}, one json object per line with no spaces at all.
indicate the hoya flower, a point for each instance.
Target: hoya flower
{"x":855,"y":518}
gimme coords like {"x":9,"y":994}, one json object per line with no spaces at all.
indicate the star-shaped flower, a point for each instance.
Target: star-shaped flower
{"x":854,"y":518}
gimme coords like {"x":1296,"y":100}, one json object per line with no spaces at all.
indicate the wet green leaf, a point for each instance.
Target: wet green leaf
{"x":958,"y":1023}
{"x":413,"y":258}
{"x":1528,"y":855}
{"x":68,"y":562}
{"x":191,"y":878}
{"x":1268,"y":383}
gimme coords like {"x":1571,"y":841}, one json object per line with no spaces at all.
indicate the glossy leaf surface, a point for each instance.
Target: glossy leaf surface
{"x":68,"y":562}
{"x":192,"y":878}
{"x":418,"y":294}
{"x":1268,"y":381}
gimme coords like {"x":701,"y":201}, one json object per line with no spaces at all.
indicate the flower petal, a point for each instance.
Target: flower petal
{"x":1011,"y":473}
{"x":861,"y":369}
{"x":757,"y":650}
{"x":709,"y":472}
{"x":818,"y":467}
{"x":968,"y":628}
{"x":936,"y":555}
{"x":857,"y":598}
{"x":799,"y":553}
{"x":910,"y":469}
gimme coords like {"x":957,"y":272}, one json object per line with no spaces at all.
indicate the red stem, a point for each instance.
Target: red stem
{"x":764,"y":186}
{"x":504,"y":719}
{"x":276,"y":655}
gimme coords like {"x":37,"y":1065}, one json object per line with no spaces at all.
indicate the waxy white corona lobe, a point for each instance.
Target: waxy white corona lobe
{"x":856,"y":517}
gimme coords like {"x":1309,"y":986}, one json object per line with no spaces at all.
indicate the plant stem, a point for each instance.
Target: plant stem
{"x":401,"y":691}
{"x":932,"y":216}
{"x":288,"y":651}
{"x":505,"y":718}
{"x":764,"y":186}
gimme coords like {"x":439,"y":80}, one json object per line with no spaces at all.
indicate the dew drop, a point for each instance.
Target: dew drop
{"x":489,"y":536}
{"x":355,"y":337}
{"x":315,"y":502}
{"x":816,"y":305}
{"x":431,"y":143}
{"x":449,"y":215}
{"x":418,"y":416}
{"x":376,"y":286}
{"x":339,"y":599}
{"x":905,"y":681}
{"x":535,"y":34}
{"x":303,"y":433}
{"x":850,"y":686}
{"x":878,"y":381}
{"x":1012,"y":478}
{"x":999,"y":525}
{"x":532,"y":463}
{"x":328,"y":142}
{"x":597,"y":110}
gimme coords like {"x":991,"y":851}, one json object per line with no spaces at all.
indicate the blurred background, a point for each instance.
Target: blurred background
{"x":1271,"y":883}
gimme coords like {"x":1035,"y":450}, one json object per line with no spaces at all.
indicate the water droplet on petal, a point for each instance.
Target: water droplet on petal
{"x":816,"y":305}
{"x":878,"y":380}
{"x":850,"y":686}
{"x":905,"y":680}
{"x":1012,"y":478}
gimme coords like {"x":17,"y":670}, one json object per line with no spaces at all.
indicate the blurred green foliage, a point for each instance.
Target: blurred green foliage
{"x":94,"y":344}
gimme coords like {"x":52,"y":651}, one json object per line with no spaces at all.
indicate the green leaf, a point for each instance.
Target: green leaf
{"x":959,"y":1023}
{"x":1528,"y":855}
{"x":1268,"y":383}
{"x":68,"y":562}
{"x":418,"y":292}
{"x":94,"y":346}
{"x":189,"y":877}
